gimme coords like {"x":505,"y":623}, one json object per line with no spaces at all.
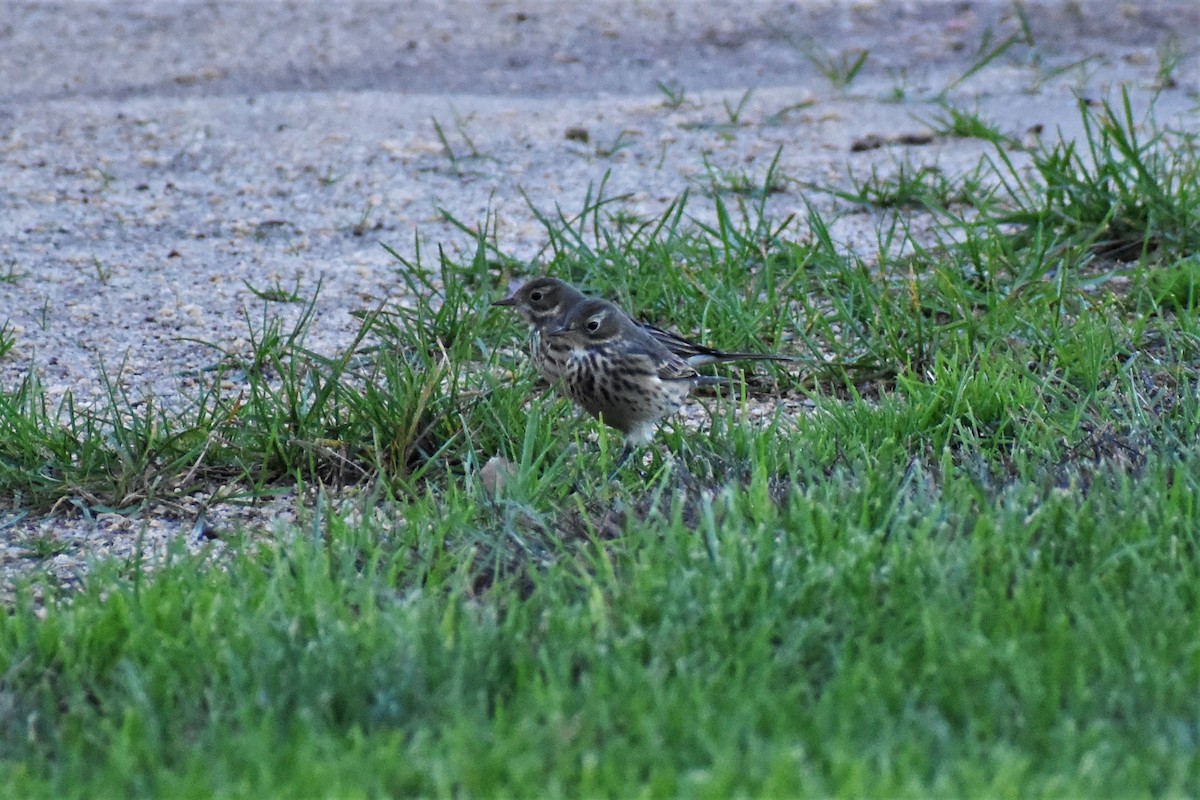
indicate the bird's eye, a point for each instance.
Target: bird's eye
{"x":535,"y":296}
{"x":593,"y":325}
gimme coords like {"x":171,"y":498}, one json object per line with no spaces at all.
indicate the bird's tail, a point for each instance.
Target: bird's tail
{"x":706,"y":359}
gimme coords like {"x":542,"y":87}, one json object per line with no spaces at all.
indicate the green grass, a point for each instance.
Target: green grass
{"x":956,"y":122}
{"x":970,"y":569}
{"x":870,"y":632}
{"x":908,"y":185}
{"x":840,"y":68}
{"x":8,"y":339}
{"x":674,"y":94}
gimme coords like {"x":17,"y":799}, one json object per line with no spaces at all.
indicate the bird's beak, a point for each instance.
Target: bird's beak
{"x":508,"y":301}
{"x":558,"y":332}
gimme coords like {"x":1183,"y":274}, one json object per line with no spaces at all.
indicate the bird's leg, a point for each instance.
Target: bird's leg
{"x":625,"y":454}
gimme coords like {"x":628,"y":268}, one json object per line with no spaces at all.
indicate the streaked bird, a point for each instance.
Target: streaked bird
{"x":620,"y":373}
{"x":545,"y":303}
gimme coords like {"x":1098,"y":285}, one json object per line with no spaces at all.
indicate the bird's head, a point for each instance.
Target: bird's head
{"x":543,"y":300}
{"x":592,"y":322}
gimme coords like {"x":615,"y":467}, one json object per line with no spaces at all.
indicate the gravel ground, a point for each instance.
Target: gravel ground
{"x":156,"y":157}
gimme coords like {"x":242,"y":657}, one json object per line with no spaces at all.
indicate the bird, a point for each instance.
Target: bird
{"x":545,"y":303}
{"x":620,"y":373}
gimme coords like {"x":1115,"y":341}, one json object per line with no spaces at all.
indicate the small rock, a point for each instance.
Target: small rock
{"x":495,"y":473}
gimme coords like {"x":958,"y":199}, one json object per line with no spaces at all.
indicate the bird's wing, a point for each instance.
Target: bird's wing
{"x":685,"y":348}
{"x":699,"y":355}
{"x":676,"y":369}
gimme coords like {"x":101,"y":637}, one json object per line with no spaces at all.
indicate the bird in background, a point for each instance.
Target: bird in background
{"x":620,"y":373}
{"x":545,"y":303}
